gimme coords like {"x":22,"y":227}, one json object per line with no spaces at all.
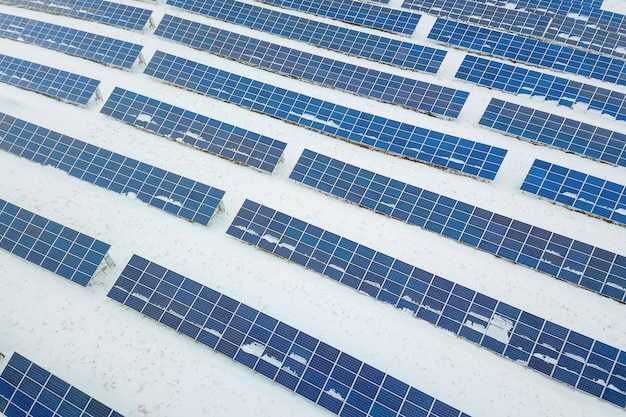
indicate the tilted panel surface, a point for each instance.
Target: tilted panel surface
{"x":27,"y":389}
{"x":590,"y":267}
{"x":201,"y":132}
{"x":529,"y":340}
{"x":518,"y":80}
{"x":321,"y":373}
{"x":87,"y":45}
{"x":541,"y":127}
{"x":530,"y":51}
{"x":50,"y":245}
{"x":412,"y":142}
{"x":347,"y":41}
{"x":178,"y":195}
{"x":410,"y":93}
{"x":578,"y":190}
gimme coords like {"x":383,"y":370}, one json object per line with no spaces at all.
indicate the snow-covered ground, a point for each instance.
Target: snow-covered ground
{"x":139,"y":367}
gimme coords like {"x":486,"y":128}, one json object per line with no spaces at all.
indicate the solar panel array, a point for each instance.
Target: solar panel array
{"x":544,"y":346}
{"x":576,"y":189}
{"x":102,"y":49}
{"x":184,"y":197}
{"x":27,"y":389}
{"x":557,"y":131}
{"x":57,"y":248}
{"x":321,"y":373}
{"x":52,"y":82}
{"x":590,"y":267}
{"x":345,"y":40}
{"x":387,"y":87}
{"x":201,"y":132}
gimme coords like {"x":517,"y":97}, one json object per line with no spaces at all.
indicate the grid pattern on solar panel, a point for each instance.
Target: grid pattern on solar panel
{"x":184,"y":197}
{"x":59,"y":249}
{"x":210,"y":135}
{"x":332,"y":379}
{"x":396,"y":138}
{"x":410,"y":93}
{"x":577,"y":190}
{"x":590,"y":267}
{"x":27,"y":389}
{"x":531,"y":51}
{"x":110,"y":13}
{"x":102,"y":49}
{"x":364,"y":14}
{"x":52,"y":82}
{"x":347,"y":41}
{"x":518,"y":80}
{"x":549,"y":348}
{"x":560,"y":132}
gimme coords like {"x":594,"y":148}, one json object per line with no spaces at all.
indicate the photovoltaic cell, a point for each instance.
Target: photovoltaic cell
{"x":328,"y":72}
{"x":347,"y":41}
{"x":590,"y":267}
{"x":50,"y":245}
{"x":87,"y":45}
{"x":396,"y":138}
{"x":518,"y":80}
{"x":178,"y":195}
{"x":210,"y":135}
{"x":529,"y":340}
{"x":319,"y":372}
{"x":27,"y":389}
{"x":577,"y":190}
{"x":115,"y":14}
{"x":560,"y":132}
{"x":531,"y":51}
{"x":52,"y":82}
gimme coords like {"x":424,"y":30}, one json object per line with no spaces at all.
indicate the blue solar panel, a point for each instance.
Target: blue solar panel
{"x":27,"y":389}
{"x":210,"y":135}
{"x":52,"y":246}
{"x":560,"y":132}
{"x":364,"y":14}
{"x":87,"y":45}
{"x":178,"y":195}
{"x":114,"y":14}
{"x":595,"y":269}
{"x":347,"y":41}
{"x":321,"y":373}
{"x":577,"y":190}
{"x":410,"y":93}
{"x":518,"y":80}
{"x":529,"y":340}
{"x":412,"y":142}
{"x":52,"y":82}
{"x":530,"y":51}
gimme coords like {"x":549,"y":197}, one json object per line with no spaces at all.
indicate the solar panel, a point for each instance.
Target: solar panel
{"x":518,"y":80}
{"x":311,"y":368}
{"x":364,"y":14}
{"x":184,"y":197}
{"x":560,"y":132}
{"x":531,"y":51}
{"x":27,"y":389}
{"x":410,"y":93}
{"x":51,"y":82}
{"x":575,"y":189}
{"x":529,"y":340}
{"x":87,"y":45}
{"x":50,"y":245}
{"x":593,"y":268}
{"x":115,"y":14}
{"x":347,"y":41}
{"x":200,"y":132}
{"x":396,"y":138}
